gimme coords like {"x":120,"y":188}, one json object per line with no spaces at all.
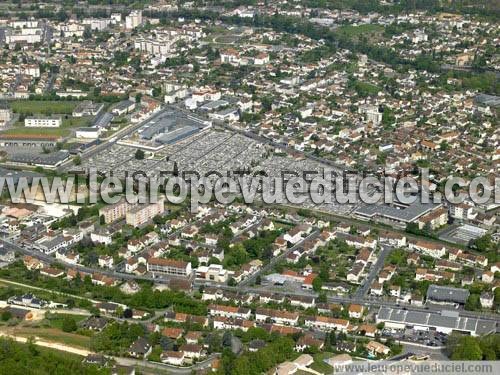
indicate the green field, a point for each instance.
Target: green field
{"x":21,"y":130}
{"x":56,"y":320}
{"x":365,"y":88}
{"x":50,"y":334}
{"x":357,"y":31}
{"x":319,"y":364}
{"x":67,"y":123}
{"x":43,"y":107}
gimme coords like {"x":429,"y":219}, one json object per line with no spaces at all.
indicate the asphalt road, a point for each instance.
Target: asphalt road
{"x":374,"y":271}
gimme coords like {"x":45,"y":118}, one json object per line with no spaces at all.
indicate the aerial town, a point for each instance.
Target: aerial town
{"x":380,"y":88}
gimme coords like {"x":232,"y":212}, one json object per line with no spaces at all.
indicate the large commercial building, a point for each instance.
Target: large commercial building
{"x":444,"y":322}
{"x":170,"y":267}
{"x":50,"y":160}
{"x":171,"y":126}
{"x":397,"y":214}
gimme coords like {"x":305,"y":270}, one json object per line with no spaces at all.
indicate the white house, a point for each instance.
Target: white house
{"x":106,"y":261}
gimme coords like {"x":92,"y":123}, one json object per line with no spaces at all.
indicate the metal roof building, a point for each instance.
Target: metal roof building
{"x":445,"y":322}
{"x":171,"y":126}
{"x":445,"y":294}
{"x":398,"y":213}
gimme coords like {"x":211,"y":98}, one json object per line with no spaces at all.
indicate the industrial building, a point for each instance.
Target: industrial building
{"x":444,"y":322}
{"x":171,"y":126}
{"x":398,"y":214}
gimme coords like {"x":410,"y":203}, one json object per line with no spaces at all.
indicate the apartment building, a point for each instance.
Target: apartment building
{"x":133,"y":20}
{"x":141,"y":214}
{"x":115,"y":211}
{"x":5,"y":113}
{"x":169,"y":267}
{"x":277,"y":316}
{"x":327,"y":323}
{"x":43,"y":122}
{"x":230,"y":311}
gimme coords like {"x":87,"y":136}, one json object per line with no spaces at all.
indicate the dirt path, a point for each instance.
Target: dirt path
{"x":47,"y":344}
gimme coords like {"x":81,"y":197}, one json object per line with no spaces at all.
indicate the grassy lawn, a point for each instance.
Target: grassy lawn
{"x":76,"y":122}
{"x":357,"y":31}
{"x":67,"y":355}
{"x":67,"y":123}
{"x":56,"y":320}
{"x":319,"y":364}
{"x":51,"y":334}
{"x":43,"y":107}
{"x":365,"y":88}
{"x":21,"y":130}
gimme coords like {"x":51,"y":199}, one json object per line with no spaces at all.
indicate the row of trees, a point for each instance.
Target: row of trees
{"x":471,"y":348}
{"x":259,"y":362}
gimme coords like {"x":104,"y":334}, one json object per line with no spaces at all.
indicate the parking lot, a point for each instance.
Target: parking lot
{"x":422,"y":337}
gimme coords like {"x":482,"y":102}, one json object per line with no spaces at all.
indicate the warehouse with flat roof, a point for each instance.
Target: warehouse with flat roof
{"x":396,"y":213}
{"x":171,"y":126}
{"x":445,"y":321}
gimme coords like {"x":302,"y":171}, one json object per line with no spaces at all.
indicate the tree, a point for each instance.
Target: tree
{"x":444,"y":146}
{"x":32,"y":346}
{"x":483,"y":244}
{"x":6,"y":315}
{"x":87,"y":33}
{"x":214,"y":343}
{"x":139,"y":155}
{"x":473,"y":302}
{"x":333,"y":338}
{"x":69,"y":324}
{"x":227,"y":338}
{"x":468,"y":349}
{"x":322,"y":297}
{"x":119,"y":311}
{"x":324,"y":271}
{"x":317,"y":284}
{"x":127,"y":313}
{"x":17,"y":358}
